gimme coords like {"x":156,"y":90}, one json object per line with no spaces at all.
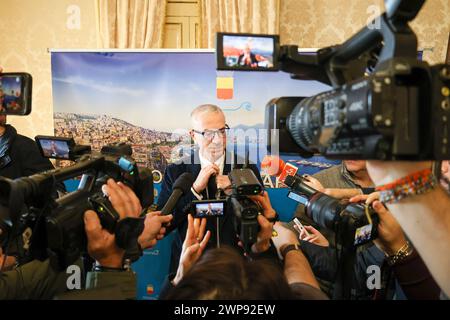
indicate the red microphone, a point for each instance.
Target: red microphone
{"x":274,"y":166}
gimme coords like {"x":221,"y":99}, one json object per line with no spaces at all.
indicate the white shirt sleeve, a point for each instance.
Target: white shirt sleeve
{"x":198,"y":196}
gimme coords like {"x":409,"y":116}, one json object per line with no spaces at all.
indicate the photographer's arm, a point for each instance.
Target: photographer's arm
{"x":425,"y":218}
{"x":109,"y":277}
{"x":296,"y":267}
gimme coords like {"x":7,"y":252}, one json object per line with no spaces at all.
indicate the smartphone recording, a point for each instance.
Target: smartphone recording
{"x":15,"y":93}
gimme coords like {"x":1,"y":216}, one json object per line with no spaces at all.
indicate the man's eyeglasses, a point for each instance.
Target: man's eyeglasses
{"x":210,"y":134}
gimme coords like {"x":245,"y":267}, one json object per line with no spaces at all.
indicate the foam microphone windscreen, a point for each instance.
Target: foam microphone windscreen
{"x":272,"y":165}
{"x":184,"y":182}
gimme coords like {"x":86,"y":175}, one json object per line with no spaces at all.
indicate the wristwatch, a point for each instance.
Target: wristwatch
{"x":288,"y":248}
{"x":401,"y":254}
{"x":126,"y":266}
{"x":274,"y":219}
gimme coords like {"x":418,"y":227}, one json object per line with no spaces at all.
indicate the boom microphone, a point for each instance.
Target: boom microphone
{"x":180,"y":187}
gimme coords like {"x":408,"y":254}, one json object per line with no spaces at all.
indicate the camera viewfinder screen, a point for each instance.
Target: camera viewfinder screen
{"x":246,"y":52}
{"x":210,"y":209}
{"x":10,"y":94}
{"x":55,"y":148}
{"x":363,"y":234}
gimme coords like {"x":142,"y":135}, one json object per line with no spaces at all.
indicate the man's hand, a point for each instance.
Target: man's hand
{"x":366,"y":198}
{"x":224,"y":183}
{"x":313,"y":183}
{"x":193,"y":246}
{"x":10,"y":261}
{"x":265,"y":234}
{"x":201,"y":182}
{"x":101,"y":244}
{"x":314,"y":236}
{"x":153,"y":229}
{"x":263,"y":201}
{"x":390,"y":235}
{"x":283,"y":238}
{"x":123,"y":199}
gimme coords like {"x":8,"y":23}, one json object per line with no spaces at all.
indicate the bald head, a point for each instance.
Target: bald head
{"x":206,"y":110}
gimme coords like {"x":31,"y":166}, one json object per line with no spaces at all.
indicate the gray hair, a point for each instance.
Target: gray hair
{"x":205,"y":108}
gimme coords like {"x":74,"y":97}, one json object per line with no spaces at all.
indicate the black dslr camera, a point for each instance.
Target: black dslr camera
{"x":385,"y":103}
{"x":354,"y":224}
{"x":57,"y":226}
{"x":244,"y":183}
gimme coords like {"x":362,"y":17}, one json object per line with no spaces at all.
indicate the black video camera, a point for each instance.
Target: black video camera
{"x":57,"y":225}
{"x":354,"y":224}
{"x":393,"y":107}
{"x":244,"y":183}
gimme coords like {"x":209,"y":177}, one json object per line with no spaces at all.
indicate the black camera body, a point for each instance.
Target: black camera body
{"x":57,"y":224}
{"x":354,"y":224}
{"x":401,"y":112}
{"x":386,"y":104}
{"x":245,"y":183}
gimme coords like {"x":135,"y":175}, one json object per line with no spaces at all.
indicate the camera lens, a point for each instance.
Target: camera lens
{"x":324,"y":210}
{"x":299,"y":123}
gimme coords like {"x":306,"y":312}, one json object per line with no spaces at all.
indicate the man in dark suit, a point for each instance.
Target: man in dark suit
{"x":247,"y":58}
{"x":211,"y":159}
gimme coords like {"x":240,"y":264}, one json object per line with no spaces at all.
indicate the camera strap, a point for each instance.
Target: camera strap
{"x":366,"y":207}
{"x":212,"y":186}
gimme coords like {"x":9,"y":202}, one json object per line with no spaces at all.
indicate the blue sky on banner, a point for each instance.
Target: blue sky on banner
{"x":156,"y":90}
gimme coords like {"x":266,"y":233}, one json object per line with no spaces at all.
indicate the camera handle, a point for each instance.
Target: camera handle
{"x":344,"y":277}
{"x":213,"y":185}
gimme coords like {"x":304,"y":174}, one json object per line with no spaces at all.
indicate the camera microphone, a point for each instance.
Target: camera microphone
{"x":286,"y":173}
{"x":181,"y":186}
{"x":276,"y":167}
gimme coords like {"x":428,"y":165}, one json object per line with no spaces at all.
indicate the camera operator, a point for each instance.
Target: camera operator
{"x":422,"y":210}
{"x":225,"y":274}
{"x":19,"y":155}
{"x":343,"y":181}
{"x":209,"y":162}
{"x":402,"y":263}
{"x":109,"y":278}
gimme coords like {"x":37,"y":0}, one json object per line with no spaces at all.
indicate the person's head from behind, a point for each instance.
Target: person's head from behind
{"x":209,"y":131}
{"x":224,"y":274}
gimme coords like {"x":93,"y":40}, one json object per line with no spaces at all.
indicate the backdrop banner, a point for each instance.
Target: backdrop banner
{"x":145,"y":99}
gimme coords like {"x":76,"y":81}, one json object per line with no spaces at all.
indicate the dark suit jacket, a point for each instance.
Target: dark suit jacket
{"x":252,"y":58}
{"x":226,"y":225}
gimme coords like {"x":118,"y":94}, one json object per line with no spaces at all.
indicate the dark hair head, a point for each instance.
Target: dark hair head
{"x":224,"y":274}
